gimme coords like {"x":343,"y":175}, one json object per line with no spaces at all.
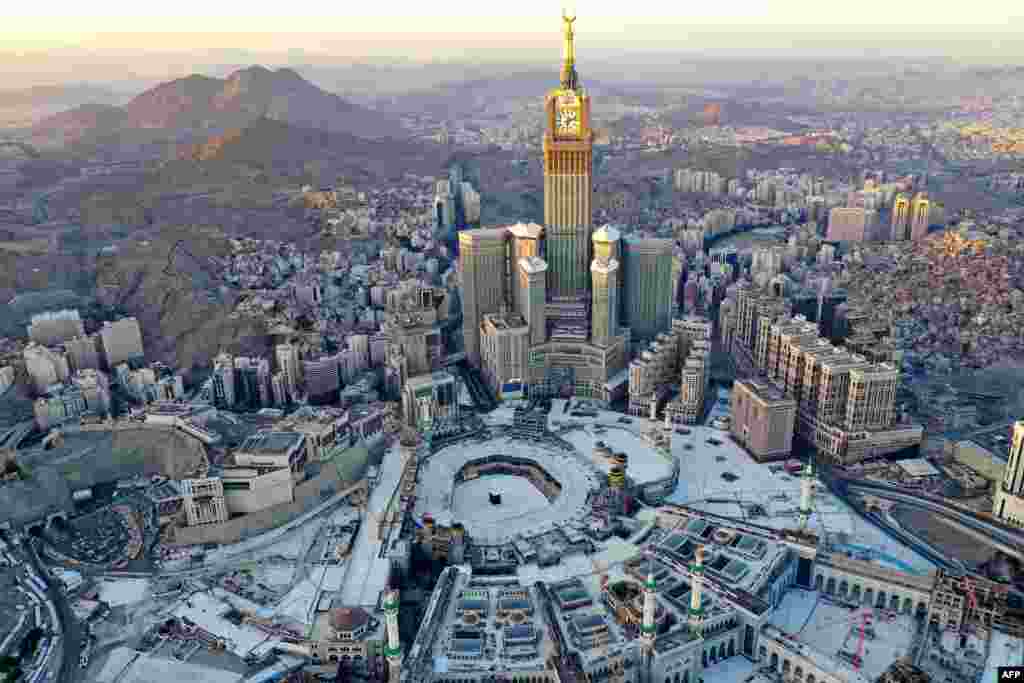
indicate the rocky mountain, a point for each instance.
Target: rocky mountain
{"x":285,"y":150}
{"x":74,"y":124}
{"x":197,"y":104}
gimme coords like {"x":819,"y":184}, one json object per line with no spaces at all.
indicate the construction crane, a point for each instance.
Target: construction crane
{"x":865,"y":620}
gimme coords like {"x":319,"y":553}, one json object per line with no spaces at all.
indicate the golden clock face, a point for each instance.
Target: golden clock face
{"x":567,"y":120}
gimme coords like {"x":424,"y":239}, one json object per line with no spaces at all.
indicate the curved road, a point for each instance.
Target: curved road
{"x":1011,"y":541}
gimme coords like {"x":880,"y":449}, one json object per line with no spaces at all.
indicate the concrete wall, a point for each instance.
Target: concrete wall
{"x":308,"y":495}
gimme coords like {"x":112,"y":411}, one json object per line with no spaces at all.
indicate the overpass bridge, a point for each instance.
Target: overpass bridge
{"x":1006,"y":539}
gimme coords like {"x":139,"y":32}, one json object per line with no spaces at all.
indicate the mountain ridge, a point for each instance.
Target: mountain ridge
{"x":208,"y":105}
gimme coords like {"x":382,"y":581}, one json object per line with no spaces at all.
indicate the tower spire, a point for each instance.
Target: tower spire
{"x":568,"y":76}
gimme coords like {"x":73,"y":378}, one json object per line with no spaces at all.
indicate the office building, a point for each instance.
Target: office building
{"x":763,"y":420}
{"x":647,"y":286}
{"x":55,"y":327}
{"x":122,"y":341}
{"x":1008,"y":501}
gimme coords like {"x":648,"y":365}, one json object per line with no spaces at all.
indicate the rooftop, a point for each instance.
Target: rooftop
{"x":125,"y":665}
{"x":272,"y":442}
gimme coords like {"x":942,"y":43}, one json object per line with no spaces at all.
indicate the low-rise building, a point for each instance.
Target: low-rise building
{"x":273,"y":450}
{"x":248,"y":490}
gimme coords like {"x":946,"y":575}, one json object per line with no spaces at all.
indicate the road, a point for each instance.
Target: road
{"x":364,"y":562}
{"x":1007,"y":540}
{"x":70,"y":630}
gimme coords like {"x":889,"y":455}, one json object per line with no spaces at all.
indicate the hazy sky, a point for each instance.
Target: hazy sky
{"x":336,"y":25}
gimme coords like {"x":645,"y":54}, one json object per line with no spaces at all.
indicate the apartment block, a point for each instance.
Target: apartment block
{"x":763,"y":419}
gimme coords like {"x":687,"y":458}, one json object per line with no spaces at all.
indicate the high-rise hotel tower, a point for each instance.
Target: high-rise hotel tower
{"x":568,"y":180}
{"x":558,"y":287}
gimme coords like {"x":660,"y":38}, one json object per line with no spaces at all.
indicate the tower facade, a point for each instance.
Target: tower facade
{"x":900,"y":218}
{"x":393,"y":648}
{"x":482,"y":261}
{"x":920,"y":216}
{"x":647,"y":286}
{"x":568,"y":179}
{"x":604,"y":307}
{"x":532,"y":296}
{"x":1008,"y":501}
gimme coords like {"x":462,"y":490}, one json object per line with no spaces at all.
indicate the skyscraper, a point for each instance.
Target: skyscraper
{"x":900,"y":218}
{"x":604,"y":307}
{"x":647,"y":286}
{"x":568,"y":182}
{"x":920,"y":216}
{"x":484,"y":262}
{"x":1008,"y":502}
{"x":544,"y":274}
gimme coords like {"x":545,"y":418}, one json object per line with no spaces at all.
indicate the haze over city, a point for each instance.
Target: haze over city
{"x":479,"y":343}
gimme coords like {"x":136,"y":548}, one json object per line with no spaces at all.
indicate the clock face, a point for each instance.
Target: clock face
{"x":568,"y":120}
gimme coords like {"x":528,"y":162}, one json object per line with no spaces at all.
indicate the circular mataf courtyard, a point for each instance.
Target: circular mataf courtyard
{"x":540,"y":488}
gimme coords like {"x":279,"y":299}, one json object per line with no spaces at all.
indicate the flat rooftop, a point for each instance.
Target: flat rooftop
{"x":125,"y":665}
{"x":271,"y":442}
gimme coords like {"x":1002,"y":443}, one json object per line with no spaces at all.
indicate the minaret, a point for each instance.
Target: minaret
{"x":648,"y":628}
{"x":806,"y":491}
{"x":393,"y":648}
{"x":696,"y":588}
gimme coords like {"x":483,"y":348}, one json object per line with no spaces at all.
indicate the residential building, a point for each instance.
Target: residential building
{"x":52,"y":328}
{"x":763,"y":419}
{"x":45,"y":366}
{"x":83,"y":353}
{"x":121,"y":341}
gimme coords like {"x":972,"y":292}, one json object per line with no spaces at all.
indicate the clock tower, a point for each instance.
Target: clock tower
{"x":568,"y":183}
